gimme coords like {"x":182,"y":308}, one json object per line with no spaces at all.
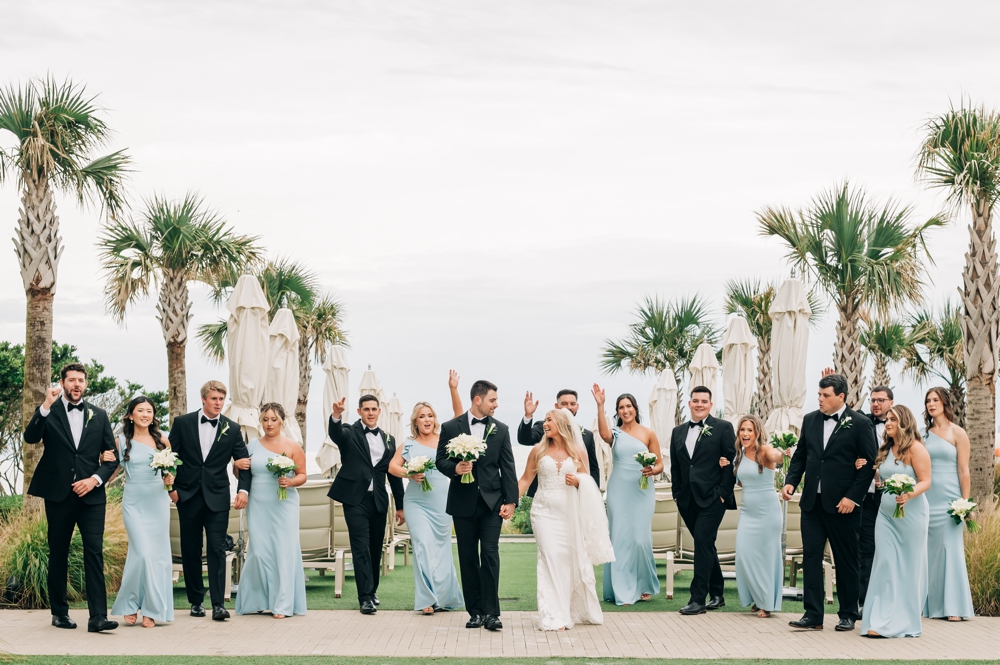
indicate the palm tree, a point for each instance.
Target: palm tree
{"x":664,"y":335}
{"x":320,"y":327}
{"x":886,"y":341}
{"x":752,"y":299}
{"x":866,"y":258}
{"x":936,"y":350}
{"x":961,"y":154}
{"x":171,"y":244}
{"x":56,"y":128}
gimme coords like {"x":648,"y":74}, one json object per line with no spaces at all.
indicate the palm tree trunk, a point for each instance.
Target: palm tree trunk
{"x":305,"y":379}
{"x":957,"y":393}
{"x":979,"y":329}
{"x":38,"y":248}
{"x":174,"y":312}
{"x":765,"y":403}
{"x":880,"y":377}
{"x":848,"y":354}
{"x":679,"y":411}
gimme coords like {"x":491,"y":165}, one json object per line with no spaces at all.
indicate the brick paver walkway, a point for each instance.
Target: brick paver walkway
{"x":624,"y":634}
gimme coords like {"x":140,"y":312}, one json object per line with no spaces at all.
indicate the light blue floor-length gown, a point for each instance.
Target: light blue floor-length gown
{"x":630,"y":520}
{"x":146,"y":586}
{"x":272,"y":575}
{"x":760,"y":566}
{"x":948,"y":593}
{"x":435,"y":583}
{"x":897,"y":590}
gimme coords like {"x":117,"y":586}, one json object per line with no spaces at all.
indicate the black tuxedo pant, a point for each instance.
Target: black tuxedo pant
{"x":196,"y":519}
{"x":478,"y":539}
{"x":866,"y":540}
{"x":818,"y":527}
{"x":703,"y":523}
{"x":62,"y":517}
{"x":366,"y":530}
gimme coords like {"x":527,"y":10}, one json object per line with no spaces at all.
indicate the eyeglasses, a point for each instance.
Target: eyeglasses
{"x":880,"y":400}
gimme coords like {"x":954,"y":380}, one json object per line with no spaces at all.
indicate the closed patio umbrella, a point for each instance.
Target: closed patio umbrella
{"x":247,"y":344}
{"x":370,"y":385}
{"x":283,"y":369}
{"x":704,"y":367}
{"x":790,"y":314}
{"x":335,"y":388}
{"x":737,"y":369}
{"x":663,"y":412}
{"x":394,"y":420}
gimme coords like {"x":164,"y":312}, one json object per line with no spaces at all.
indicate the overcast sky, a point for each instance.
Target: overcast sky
{"x":492,"y":187}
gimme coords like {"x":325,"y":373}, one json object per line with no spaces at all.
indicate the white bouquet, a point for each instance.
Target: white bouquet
{"x":420,"y":464}
{"x":466,"y":448}
{"x":165,"y":461}
{"x":281,"y":466}
{"x":644,"y":460}
{"x":960,"y":509}
{"x":899,"y":483}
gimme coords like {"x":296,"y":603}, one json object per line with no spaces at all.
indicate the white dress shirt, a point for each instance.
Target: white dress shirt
{"x":477,"y":430}
{"x":376,"y":448}
{"x":207,"y":434}
{"x":76,"y":421}
{"x":879,"y":433}
{"x":692,"y":437}
{"x":829,"y":427}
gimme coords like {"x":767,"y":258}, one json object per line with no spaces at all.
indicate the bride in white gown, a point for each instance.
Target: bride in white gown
{"x":569,"y":544}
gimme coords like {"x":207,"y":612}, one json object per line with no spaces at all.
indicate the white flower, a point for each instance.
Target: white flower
{"x":961,"y":506}
{"x":466,"y":446}
{"x":225,"y":428}
{"x":163,"y":459}
{"x":281,"y":462}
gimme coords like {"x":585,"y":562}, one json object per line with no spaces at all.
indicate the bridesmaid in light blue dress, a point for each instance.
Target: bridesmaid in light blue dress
{"x":146,"y":585}
{"x":272,"y":578}
{"x":948,"y":593}
{"x":897,"y":589}
{"x":631,"y":577}
{"x":435,"y":584}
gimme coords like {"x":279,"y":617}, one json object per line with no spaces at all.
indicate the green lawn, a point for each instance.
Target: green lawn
{"x":325,"y":660}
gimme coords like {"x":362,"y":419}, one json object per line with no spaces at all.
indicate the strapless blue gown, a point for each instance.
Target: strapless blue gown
{"x":630,"y":520}
{"x":948,"y":593}
{"x":146,"y":586}
{"x":272,"y":578}
{"x":897,"y":590}
{"x":760,"y":566}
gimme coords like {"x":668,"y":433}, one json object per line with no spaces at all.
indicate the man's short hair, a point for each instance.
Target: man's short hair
{"x":368,"y":398}
{"x":835,"y":381}
{"x":883,"y":389}
{"x":213,"y":386}
{"x":72,"y":367}
{"x":566,"y":391}
{"x":701,"y":389}
{"x":481,"y":388}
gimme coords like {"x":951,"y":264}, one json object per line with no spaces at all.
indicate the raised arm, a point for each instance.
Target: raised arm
{"x":602,"y":421}
{"x":335,"y":428}
{"x":456,"y":399}
{"x":35,"y":429}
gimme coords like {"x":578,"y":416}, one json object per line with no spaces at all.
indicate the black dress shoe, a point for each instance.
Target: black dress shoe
{"x":492,"y":623}
{"x":219,"y":613}
{"x":198,"y":610}
{"x":368,"y":607}
{"x":475,"y":621}
{"x":63,"y":622}
{"x":805,"y":624}
{"x":692,"y":608}
{"x":845,"y":625}
{"x":99,"y":624}
{"x":715,"y":602}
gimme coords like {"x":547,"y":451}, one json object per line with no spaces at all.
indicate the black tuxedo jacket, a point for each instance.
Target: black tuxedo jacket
{"x":529,"y":434}
{"x":494,"y":472}
{"x":64,"y":463}
{"x":211,"y":474}
{"x":357,"y":471}
{"x":699,"y":478}
{"x":834,"y":466}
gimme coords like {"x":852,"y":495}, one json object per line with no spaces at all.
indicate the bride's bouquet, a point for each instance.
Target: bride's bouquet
{"x":466,"y":448}
{"x":960,"y":509}
{"x":644,"y":460}
{"x":420,"y":464}
{"x":899,"y":483}
{"x":281,"y":466}
{"x":165,"y":461}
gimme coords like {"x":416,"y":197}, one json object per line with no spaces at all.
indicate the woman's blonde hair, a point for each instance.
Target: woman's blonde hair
{"x":906,"y":423}
{"x":414,"y":432}
{"x":758,"y":427}
{"x":565,"y":429}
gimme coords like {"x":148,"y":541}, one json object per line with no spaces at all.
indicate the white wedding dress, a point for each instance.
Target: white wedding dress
{"x":569,"y":546}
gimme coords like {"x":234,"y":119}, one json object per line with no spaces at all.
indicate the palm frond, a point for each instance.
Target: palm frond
{"x":128,"y":263}
{"x":212,"y":337}
{"x":961,"y":154}
{"x":322,"y":325}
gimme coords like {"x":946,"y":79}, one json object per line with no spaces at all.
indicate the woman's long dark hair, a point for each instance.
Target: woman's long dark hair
{"x":128,"y":428}
{"x":945,"y":398}
{"x":635,"y":407}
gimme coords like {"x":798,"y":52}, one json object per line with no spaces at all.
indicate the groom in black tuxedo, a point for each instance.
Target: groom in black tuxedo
{"x":703,"y":491}
{"x":529,"y":434}
{"x":832,"y":439}
{"x":365,"y":453}
{"x":70,"y":478}
{"x":205,"y":440}
{"x":480,"y":507}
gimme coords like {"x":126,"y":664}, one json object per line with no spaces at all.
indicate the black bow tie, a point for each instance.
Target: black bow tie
{"x":693,"y":424}
{"x":478,"y":421}
{"x":369,"y":430}
{"x":211,"y":421}
{"x":74,"y":407}
{"x":878,"y":421}
{"x":833,"y":416}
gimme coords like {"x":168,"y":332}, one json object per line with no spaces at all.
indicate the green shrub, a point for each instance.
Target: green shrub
{"x":10,"y":504}
{"x":982,"y":556}
{"x":520,"y":522}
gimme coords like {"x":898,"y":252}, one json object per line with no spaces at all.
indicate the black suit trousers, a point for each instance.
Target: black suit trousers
{"x":63,"y":516}
{"x":478,"y":539}
{"x":195,"y":519}
{"x":366,"y":529}
{"x":866,"y":540}
{"x":703,"y":523}
{"x":818,"y":527}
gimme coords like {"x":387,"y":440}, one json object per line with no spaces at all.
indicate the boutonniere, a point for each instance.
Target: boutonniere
{"x":845,"y":423}
{"x":492,"y":428}
{"x":705,"y":431}
{"x":90,"y":414}
{"x":225,"y":428}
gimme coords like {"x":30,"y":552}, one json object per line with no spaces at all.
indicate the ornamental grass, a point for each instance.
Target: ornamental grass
{"x":982,"y":556}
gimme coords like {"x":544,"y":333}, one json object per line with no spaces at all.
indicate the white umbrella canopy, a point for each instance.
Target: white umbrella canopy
{"x":663,"y":412}
{"x":789,"y":342}
{"x":370,"y":385}
{"x":283,"y":369}
{"x":247,"y":343}
{"x":737,"y":369}
{"x":704,"y":367}
{"x":394,"y":419}
{"x":335,"y":388}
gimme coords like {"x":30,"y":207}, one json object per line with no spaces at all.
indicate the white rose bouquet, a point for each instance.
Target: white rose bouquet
{"x":165,"y":461}
{"x":420,"y":464}
{"x":466,"y":448}
{"x":960,"y":509}
{"x":644,"y":460}
{"x":783,"y":441}
{"x":281,"y":466}
{"x":896,"y":484}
